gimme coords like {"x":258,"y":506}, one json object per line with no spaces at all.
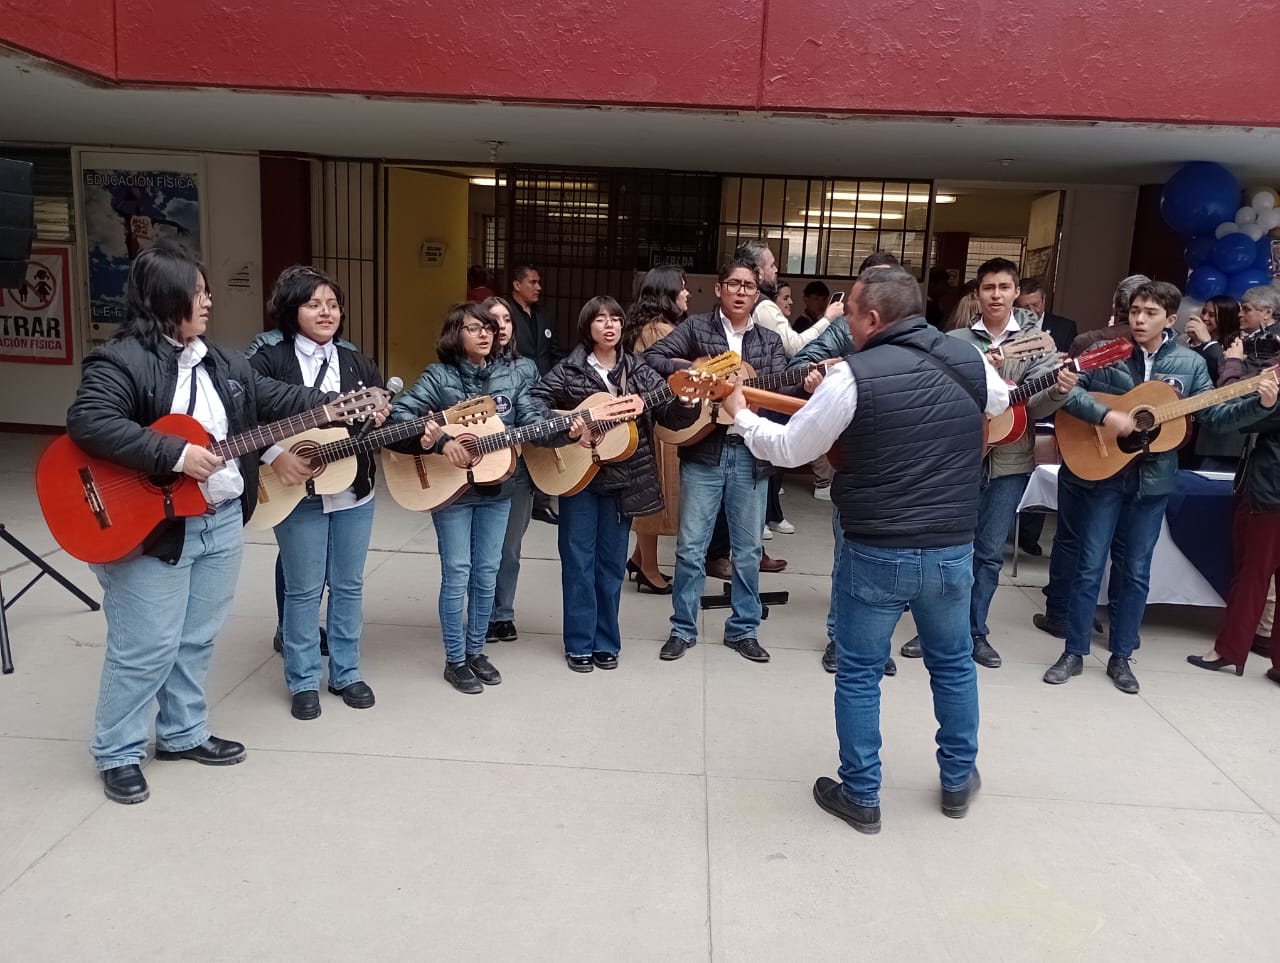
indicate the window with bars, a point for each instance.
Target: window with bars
{"x":344,"y":242}
{"x":52,"y":186}
{"x":826,"y":227}
{"x":983,"y":249}
{"x":495,"y":243}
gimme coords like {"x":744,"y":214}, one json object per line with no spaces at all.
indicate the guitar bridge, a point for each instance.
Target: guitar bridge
{"x":424,"y":480}
{"x":93,"y":498}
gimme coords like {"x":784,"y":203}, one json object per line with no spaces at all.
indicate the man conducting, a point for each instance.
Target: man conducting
{"x":905,"y":412}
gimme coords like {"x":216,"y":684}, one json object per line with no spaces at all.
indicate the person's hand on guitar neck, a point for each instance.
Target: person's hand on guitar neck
{"x":1067,"y":380}
{"x":814,"y":377}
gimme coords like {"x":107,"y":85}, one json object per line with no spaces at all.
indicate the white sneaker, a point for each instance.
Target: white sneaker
{"x":783,"y":527}
{"x":822,"y":494}
{"x":766,"y":534}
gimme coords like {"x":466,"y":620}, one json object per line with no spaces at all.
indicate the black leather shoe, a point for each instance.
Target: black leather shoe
{"x":501,"y":632}
{"x":580,"y":663}
{"x":277,"y":642}
{"x":1029,"y":547}
{"x":305,"y":705}
{"x":212,"y":752}
{"x":1068,"y":664}
{"x":358,"y":695}
{"x":891,"y":667}
{"x":748,"y":649}
{"x":829,"y":794}
{"x":605,"y":660}
{"x":829,"y":657}
{"x":1261,"y":645}
{"x":125,"y":784}
{"x":984,"y":654}
{"x":1045,"y":624}
{"x":911,"y":648}
{"x":1120,"y":673}
{"x":546,"y":515}
{"x":462,"y":677}
{"x":484,"y":669}
{"x":674,"y":648}
{"x":955,"y":803}
{"x":1273,"y":674}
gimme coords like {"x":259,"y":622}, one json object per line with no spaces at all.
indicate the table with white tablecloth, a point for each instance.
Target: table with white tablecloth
{"x":1174,"y":580}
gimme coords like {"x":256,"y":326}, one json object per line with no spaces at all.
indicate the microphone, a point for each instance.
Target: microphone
{"x":393,"y":387}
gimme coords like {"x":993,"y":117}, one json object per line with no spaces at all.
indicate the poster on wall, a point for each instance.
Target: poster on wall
{"x":35,"y":316}
{"x":126,"y":212}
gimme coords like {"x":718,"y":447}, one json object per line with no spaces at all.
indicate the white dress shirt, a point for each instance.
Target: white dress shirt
{"x":602,"y":370}
{"x":814,"y":428}
{"x":735,"y":344}
{"x":226,"y":482}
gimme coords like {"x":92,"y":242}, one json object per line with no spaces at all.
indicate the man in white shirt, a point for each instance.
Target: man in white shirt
{"x":906,"y":413}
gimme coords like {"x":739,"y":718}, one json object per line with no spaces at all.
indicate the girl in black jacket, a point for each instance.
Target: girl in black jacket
{"x":325,"y":539}
{"x":165,"y":606}
{"x":595,"y":524}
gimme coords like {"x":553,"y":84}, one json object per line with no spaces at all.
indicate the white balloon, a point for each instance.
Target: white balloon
{"x":1263,"y":201}
{"x":1253,"y":231}
{"x":1225,"y":228}
{"x":1269,"y":219}
{"x":1246,"y":215}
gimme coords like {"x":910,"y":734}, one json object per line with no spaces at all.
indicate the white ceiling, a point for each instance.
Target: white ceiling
{"x":42,"y":104}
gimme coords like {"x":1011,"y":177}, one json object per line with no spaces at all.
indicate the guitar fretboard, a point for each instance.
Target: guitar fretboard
{"x":1189,"y":406}
{"x":788,"y":378}
{"x":389,"y":434}
{"x":264,"y":436}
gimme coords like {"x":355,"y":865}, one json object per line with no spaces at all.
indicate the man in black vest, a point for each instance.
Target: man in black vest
{"x":536,"y":339}
{"x":906,"y":410}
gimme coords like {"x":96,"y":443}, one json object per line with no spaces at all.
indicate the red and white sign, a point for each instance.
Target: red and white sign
{"x":35,"y":317}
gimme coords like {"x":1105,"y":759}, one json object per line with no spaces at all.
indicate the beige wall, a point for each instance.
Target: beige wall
{"x":1097,"y":236}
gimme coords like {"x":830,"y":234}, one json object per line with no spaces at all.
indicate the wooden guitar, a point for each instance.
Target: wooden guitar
{"x":1094,"y":452}
{"x":100,"y":511}
{"x":426,"y":483}
{"x":1011,"y":424}
{"x":1022,"y":347}
{"x":331,"y":455}
{"x":569,"y":469}
{"x":759,"y":390}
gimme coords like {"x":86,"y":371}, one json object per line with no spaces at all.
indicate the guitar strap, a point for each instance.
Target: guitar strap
{"x":191,"y":405}
{"x":950,"y":372}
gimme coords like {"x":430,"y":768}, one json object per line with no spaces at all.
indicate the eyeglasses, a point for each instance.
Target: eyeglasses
{"x":474,"y":329}
{"x":733,"y":286}
{"x":608,"y":319}
{"x":204,"y":296}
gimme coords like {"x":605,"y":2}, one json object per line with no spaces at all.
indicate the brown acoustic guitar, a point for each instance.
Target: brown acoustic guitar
{"x":331,"y":455}
{"x":1095,"y":452}
{"x":427,"y":483}
{"x":569,"y":469}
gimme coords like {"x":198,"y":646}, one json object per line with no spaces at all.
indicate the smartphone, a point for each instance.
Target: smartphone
{"x":837,"y":298}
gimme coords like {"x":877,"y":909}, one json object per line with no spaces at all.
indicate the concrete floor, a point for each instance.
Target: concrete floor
{"x":659,"y":812}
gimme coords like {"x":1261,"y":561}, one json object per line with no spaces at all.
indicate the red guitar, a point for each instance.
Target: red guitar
{"x":100,"y":511}
{"x":1011,"y":424}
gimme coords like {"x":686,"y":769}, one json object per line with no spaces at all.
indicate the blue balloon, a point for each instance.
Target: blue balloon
{"x":1206,"y":282}
{"x":1199,"y":250}
{"x":1234,"y":253}
{"x":1199,"y":197}
{"x":1263,"y":259}
{"x":1242,"y":281}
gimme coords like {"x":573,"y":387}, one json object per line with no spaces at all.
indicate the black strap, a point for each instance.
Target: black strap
{"x":950,"y":372}
{"x":191,"y":405}
{"x":320,"y":375}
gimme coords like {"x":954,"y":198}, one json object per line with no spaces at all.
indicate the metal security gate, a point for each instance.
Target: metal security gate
{"x":345,"y":230}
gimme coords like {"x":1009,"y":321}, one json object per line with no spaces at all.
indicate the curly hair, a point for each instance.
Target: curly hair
{"x":659,"y":292}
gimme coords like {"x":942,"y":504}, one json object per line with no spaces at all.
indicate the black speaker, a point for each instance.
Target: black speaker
{"x":17,"y":221}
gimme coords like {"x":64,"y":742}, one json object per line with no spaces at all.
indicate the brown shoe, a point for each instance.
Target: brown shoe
{"x":768,"y":564}
{"x":720,"y":568}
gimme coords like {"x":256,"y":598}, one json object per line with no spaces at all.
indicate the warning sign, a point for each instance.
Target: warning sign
{"x":35,"y":317}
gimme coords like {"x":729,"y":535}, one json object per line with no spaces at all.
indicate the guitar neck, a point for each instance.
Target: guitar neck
{"x":1189,"y":406}
{"x":264,"y":436}
{"x":386,"y":435}
{"x":786,"y":379}
{"x":1029,"y":389}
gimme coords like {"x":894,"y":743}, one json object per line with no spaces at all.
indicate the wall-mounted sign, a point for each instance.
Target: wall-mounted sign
{"x":433,"y":253}
{"x":35,"y":316}
{"x":126,"y":212}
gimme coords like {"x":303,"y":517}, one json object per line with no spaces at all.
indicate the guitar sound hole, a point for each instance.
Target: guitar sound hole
{"x":159,"y":483}
{"x":1131,"y":444}
{"x":1144,"y":418}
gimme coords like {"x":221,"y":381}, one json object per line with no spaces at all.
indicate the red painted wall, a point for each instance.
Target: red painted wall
{"x":1151,"y":60}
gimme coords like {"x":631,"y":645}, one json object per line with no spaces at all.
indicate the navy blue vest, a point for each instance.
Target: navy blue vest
{"x":911,"y":458}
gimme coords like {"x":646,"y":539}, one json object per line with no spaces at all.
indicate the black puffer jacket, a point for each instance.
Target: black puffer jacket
{"x":125,"y":386}
{"x":702,"y":335}
{"x":280,"y":363}
{"x":573,"y":380}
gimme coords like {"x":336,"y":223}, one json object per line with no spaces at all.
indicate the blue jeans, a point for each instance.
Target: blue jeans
{"x":873,"y":587}
{"x":504,"y":597}
{"x":702,"y":489}
{"x":316,"y":548}
{"x":470,"y":540}
{"x":161,"y":622}
{"x":1064,"y":560}
{"x":997,"y":507}
{"x":593,"y":538}
{"x":838,"y":534}
{"x":1098,"y":516}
